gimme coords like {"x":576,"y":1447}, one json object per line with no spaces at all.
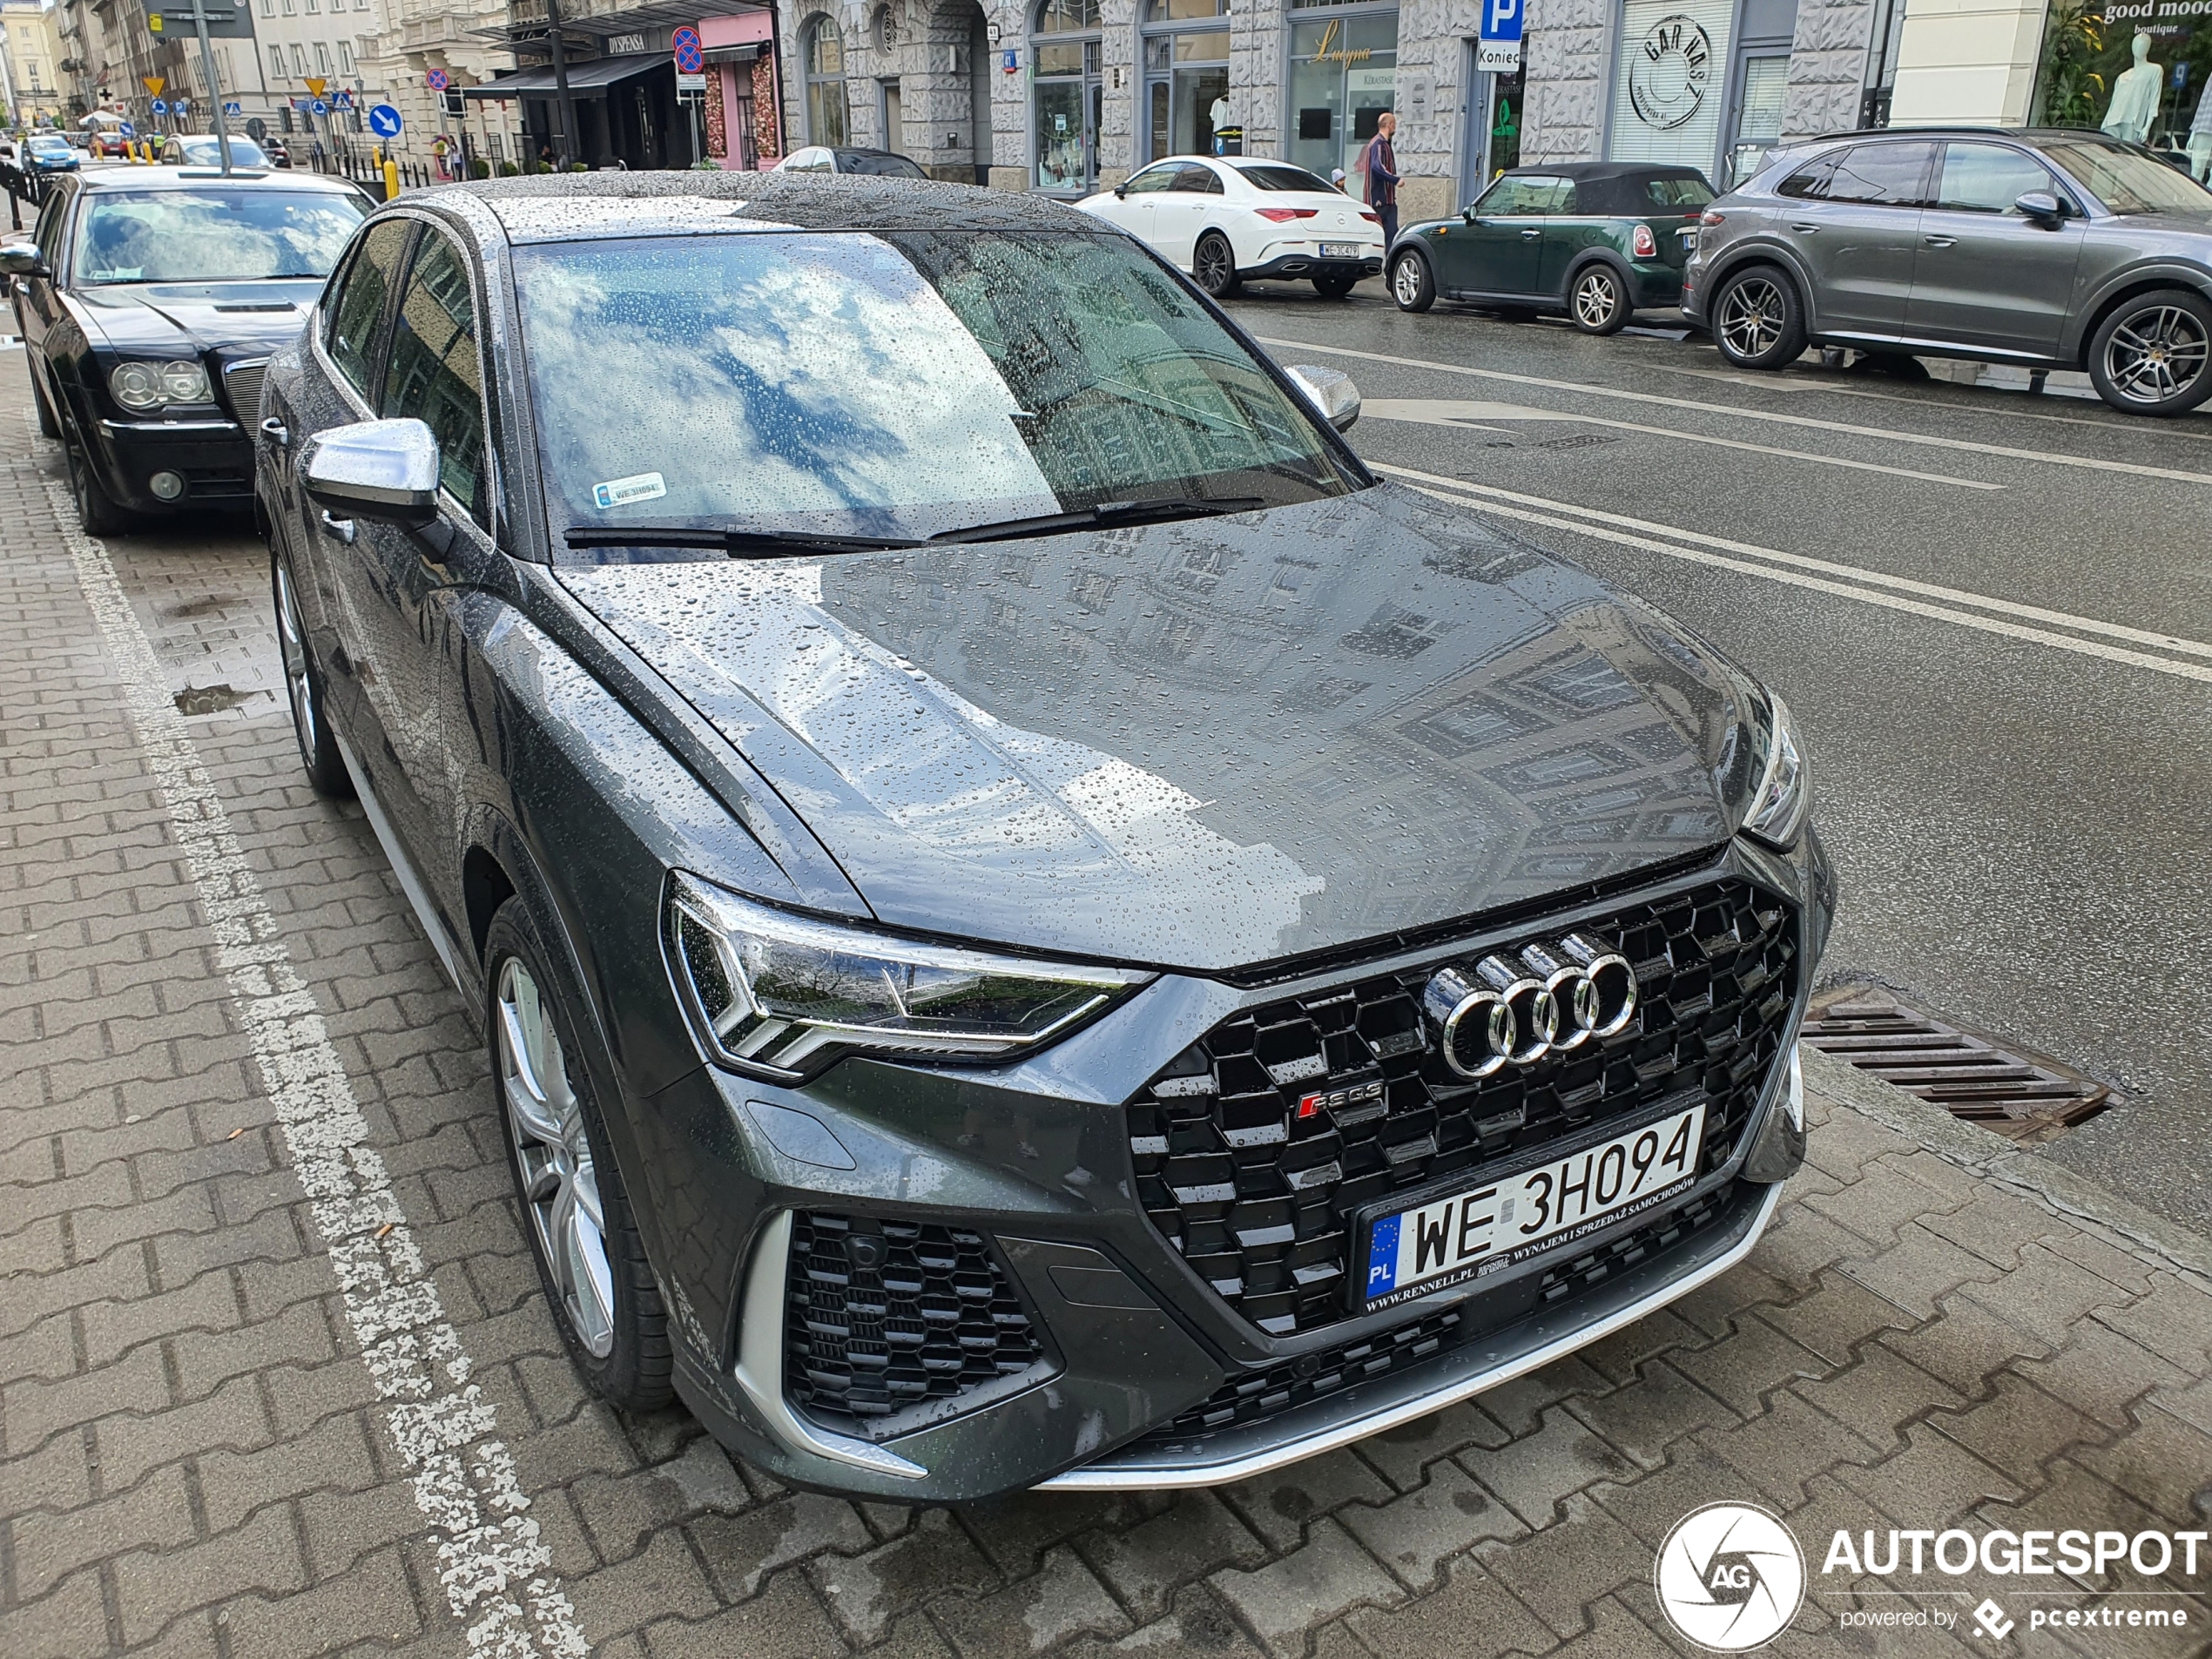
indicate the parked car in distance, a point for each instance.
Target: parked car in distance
{"x":148,"y":300}
{"x":49,"y":152}
{"x":907,"y":833}
{"x":204,"y":149}
{"x":2050,"y":248}
{"x":1228,"y":220}
{"x":278,"y":153}
{"x":101,"y":134}
{"x":1597,"y":240}
{"x":821,"y":157}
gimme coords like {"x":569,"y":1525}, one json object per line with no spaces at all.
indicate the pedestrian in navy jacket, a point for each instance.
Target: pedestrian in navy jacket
{"x":1380,"y":163}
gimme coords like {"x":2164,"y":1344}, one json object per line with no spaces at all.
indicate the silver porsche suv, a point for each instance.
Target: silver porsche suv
{"x":2051,"y":248}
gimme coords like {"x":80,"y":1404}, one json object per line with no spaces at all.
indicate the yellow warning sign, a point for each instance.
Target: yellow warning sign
{"x":315,"y":84}
{"x":154,"y":83}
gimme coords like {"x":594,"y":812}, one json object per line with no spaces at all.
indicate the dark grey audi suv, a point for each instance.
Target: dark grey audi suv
{"x":1033,"y":923}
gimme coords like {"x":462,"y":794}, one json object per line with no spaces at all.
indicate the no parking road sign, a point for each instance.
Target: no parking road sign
{"x":437,"y":80}
{"x":690,"y":56}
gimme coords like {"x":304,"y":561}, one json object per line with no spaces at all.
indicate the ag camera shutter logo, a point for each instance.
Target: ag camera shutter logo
{"x":1729,"y":1577}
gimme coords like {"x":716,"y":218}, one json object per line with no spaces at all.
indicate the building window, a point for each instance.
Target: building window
{"x":276,"y":63}
{"x":1068,"y":96}
{"x":298,"y":59}
{"x":823,"y":55}
{"x":345,"y":58}
{"x":322,"y":60}
{"x":268,"y":8}
{"x":1343,"y":79}
{"x":1187,"y":108}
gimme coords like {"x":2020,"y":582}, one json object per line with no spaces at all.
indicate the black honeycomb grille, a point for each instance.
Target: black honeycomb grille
{"x":1259,"y":1395}
{"x":1259,"y":1200}
{"x":885,"y":1318}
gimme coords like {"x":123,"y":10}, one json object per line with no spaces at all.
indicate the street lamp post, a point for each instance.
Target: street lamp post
{"x":565,"y":100}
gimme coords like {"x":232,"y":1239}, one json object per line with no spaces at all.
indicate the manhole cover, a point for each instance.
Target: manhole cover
{"x":1579,"y":441}
{"x":2022,"y":1096}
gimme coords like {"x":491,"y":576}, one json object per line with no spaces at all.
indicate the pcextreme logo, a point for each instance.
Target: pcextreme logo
{"x":1729,"y":1577}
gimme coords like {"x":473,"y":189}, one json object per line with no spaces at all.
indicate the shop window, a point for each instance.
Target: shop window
{"x":1343,"y":80}
{"x":1188,"y":110}
{"x":823,"y":55}
{"x":1068,"y":96}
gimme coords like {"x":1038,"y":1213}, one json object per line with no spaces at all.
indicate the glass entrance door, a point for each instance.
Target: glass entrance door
{"x":1186,"y":87}
{"x":1069,"y":100}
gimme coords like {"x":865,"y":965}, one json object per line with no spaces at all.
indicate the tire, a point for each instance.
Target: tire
{"x":2153,"y":355}
{"x":1412,"y":285}
{"x":596,"y":1280}
{"x":1334,"y":287}
{"x":1759,"y":320}
{"x":48,"y":427}
{"x":303,"y":685}
{"x":96,"y":508}
{"x":1213,"y":262}
{"x":1598,"y":301}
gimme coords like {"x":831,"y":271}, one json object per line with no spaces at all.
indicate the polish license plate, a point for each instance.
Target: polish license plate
{"x":1476,"y":1231}
{"x":1341,"y":250}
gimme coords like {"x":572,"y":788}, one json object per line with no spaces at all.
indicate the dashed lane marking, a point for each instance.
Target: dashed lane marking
{"x":495,"y":1570}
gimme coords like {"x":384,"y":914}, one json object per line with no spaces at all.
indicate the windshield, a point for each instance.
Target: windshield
{"x":1285,"y":177}
{"x":2128,"y":183}
{"x":45,"y":145}
{"x":213,"y":235}
{"x":842,"y":384}
{"x":886,"y":166}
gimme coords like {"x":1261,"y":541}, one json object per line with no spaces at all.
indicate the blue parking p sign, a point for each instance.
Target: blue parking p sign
{"x":1502,"y":20}
{"x":384,"y":121}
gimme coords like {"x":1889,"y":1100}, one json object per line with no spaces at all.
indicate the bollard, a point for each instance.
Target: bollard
{"x":391,"y":179}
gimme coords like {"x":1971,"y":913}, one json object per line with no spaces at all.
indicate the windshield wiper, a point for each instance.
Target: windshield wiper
{"x":738,"y":545}
{"x":1106,"y":512}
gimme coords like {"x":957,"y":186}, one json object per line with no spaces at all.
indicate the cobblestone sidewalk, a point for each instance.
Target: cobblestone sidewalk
{"x":199,"y":1457}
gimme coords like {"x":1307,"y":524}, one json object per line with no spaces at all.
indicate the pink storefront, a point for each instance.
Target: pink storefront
{"x":743,"y":119}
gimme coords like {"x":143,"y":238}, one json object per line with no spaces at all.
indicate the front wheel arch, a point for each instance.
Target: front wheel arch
{"x":2134,"y":290}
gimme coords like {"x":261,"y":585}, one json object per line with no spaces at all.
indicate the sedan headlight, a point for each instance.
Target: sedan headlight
{"x":784,"y":996}
{"x":150,"y":386}
{"x":1781,"y":780}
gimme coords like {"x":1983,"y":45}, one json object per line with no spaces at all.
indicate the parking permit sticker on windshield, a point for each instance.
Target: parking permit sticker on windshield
{"x":620,"y":492}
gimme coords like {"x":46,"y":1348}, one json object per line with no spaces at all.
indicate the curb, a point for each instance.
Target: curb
{"x":2075,"y":1199}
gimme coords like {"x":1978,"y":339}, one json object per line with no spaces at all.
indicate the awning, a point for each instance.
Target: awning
{"x":594,"y":75}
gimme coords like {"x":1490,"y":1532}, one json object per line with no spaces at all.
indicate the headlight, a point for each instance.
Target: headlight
{"x":785,"y":995}
{"x":1781,"y":792}
{"x":149,"y":385}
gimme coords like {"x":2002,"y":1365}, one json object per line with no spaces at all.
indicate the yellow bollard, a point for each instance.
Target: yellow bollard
{"x":391,"y":179}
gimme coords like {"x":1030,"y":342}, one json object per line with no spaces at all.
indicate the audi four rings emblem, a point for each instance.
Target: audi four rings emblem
{"x":1548,"y":999}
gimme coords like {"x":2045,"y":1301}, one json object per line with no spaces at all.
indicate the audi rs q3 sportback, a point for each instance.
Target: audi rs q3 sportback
{"x":1033,"y":923}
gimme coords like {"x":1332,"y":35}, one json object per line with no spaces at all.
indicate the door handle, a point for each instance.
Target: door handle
{"x":276,"y":433}
{"x":1806,"y":230}
{"x":1530,"y":236}
{"x":342,"y":528}
{"x":1940,"y":241}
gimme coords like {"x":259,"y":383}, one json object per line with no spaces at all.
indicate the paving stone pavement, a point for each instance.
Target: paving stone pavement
{"x":196,"y":1458}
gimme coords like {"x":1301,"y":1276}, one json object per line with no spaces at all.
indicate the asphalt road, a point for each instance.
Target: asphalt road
{"x":1989,"y":610}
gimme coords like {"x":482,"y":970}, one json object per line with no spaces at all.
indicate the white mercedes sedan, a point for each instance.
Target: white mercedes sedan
{"x":1245,"y":219}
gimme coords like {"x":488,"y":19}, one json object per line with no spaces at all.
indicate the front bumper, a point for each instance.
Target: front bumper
{"x":1132,"y":1346}
{"x":213,"y":455}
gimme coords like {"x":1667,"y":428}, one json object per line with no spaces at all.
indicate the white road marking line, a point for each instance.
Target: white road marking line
{"x":1840,"y":590}
{"x":1849,"y":572}
{"x":1439,"y":412}
{"x":495,"y":1570}
{"x":1885,"y":433}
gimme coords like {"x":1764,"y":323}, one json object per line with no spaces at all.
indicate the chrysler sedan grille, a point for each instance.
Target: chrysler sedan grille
{"x":242,"y":386}
{"x":885,"y":1318}
{"x":1260,"y":1193}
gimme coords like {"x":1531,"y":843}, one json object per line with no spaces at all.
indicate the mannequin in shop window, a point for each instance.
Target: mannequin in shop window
{"x":2200,"y":138}
{"x":2134,"y":96}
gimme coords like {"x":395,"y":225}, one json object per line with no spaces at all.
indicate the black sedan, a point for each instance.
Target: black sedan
{"x":1033,"y":922}
{"x":149,"y":300}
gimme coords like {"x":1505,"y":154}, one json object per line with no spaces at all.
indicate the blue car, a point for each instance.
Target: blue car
{"x":49,"y":152}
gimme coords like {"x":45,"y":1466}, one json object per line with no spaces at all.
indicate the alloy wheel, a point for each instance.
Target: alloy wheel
{"x":545,"y":1122}
{"x":1752,"y":316}
{"x":1213,"y":264}
{"x":2157,"y":355}
{"x":291,"y":642}
{"x":1406,"y":282}
{"x":1595,"y":296}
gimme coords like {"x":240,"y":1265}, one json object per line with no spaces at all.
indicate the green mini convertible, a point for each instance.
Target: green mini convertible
{"x":1599,"y":241}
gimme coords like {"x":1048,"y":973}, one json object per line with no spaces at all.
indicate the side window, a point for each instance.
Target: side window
{"x":358,"y":304}
{"x":1520,"y":197}
{"x":48,"y":230}
{"x":1191,"y":179}
{"x":1154,"y":178}
{"x":434,"y":374}
{"x":1568,"y":199}
{"x":1810,"y":183}
{"x":1987,"y":178}
{"x":1883,"y":175}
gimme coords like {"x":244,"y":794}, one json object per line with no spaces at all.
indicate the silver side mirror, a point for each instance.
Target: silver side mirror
{"x":22,"y":258}
{"x":1330,"y":391}
{"x":385,"y":470}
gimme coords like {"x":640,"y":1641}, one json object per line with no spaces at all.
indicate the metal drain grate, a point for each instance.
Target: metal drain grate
{"x":2021,"y":1097}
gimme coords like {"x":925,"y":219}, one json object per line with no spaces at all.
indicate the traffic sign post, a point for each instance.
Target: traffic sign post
{"x":690,"y":78}
{"x":205,"y":18}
